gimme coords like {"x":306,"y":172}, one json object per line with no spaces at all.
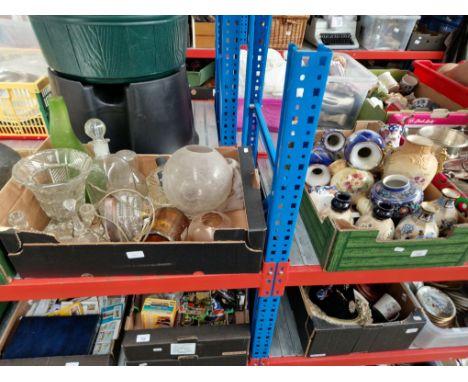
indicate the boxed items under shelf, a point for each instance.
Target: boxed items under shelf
{"x":341,"y":247}
{"x":224,"y":341}
{"x":433,"y":336}
{"x":386,"y":32}
{"x":199,"y":71}
{"x":234,"y":250}
{"x":203,"y":31}
{"x":321,"y":338}
{"x":95,"y":339}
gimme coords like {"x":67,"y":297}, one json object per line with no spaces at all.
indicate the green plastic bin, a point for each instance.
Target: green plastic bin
{"x":198,"y":78}
{"x":113,"y":49}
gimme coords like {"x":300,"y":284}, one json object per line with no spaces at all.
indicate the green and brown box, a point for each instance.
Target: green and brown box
{"x":340,"y":248}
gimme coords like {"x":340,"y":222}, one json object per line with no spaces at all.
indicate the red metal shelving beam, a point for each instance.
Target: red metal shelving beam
{"x":357,"y":54}
{"x":394,"y":54}
{"x":314,"y":275}
{"x":36,"y":289}
{"x":356,"y":359}
{"x":201,"y":53}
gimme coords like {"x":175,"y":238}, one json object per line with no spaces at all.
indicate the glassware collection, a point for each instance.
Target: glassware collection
{"x":368,"y":180}
{"x":105,"y":196}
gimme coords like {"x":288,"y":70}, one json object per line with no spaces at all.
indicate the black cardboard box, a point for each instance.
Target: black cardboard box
{"x":235,"y":250}
{"x":320,"y":338}
{"x":234,"y":360}
{"x":188,"y":345}
{"x":12,"y":320}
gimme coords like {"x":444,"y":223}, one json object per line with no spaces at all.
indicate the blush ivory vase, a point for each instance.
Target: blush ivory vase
{"x":414,"y":160}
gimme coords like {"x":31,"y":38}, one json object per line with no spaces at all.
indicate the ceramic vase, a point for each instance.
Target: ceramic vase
{"x":392,"y":134}
{"x":353,"y":181}
{"x":397,"y":190}
{"x":420,"y":225}
{"x":340,"y":208}
{"x":379,"y":219}
{"x":447,"y":214}
{"x":333,"y":141}
{"x":321,"y":156}
{"x":364,"y":150}
{"x":318,"y":175}
{"x":414,"y":160}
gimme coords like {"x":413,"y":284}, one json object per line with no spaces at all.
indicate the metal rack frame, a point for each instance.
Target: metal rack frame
{"x":305,"y":83}
{"x":303,"y":91}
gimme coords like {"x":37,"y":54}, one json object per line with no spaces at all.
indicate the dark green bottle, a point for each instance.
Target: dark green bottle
{"x":60,"y":129}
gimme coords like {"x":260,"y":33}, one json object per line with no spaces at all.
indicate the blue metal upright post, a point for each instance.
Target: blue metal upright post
{"x":259,"y":37}
{"x":306,"y":79}
{"x":229,"y":32}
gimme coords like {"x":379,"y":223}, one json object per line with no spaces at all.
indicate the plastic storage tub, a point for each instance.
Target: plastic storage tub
{"x":431,"y":336}
{"x":427,"y":73}
{"x":386,"y":32}
{"x":344,"y":96}
{"x":113,"y":49}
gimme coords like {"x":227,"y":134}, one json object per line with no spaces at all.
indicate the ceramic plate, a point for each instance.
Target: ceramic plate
{"x":435,"y":302}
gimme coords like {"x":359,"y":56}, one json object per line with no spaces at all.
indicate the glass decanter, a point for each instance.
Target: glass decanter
{"x":110,"y":171}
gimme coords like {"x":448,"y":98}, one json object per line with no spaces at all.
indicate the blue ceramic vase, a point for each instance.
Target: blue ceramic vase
{"x":364,"y":150}
{"x":403,"y":194}
{"x":321,"y":156}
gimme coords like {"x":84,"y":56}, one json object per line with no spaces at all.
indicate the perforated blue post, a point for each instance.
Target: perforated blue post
{"x":306,"y":79}
{"x":244,"y":26}
{"x":228,"y":40}
{"x":259,"y":37}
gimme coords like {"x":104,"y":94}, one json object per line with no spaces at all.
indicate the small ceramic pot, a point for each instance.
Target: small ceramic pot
{"x":203,"y":227}
{"x":321,"y":156}
{"x":388,"y":307}
{"x":387,"y":80}
{"x":400,"y":192}
{"x":447,"y":214}
{"x":380,"y":219}
{"x":333,"y":141}
{"x":392,"y":134}
{"x":420,"y":225}
{"x":408,"y":83}
{"x":318,"y":175}
{"x":353,"y":181}
{"x":322,"y":196}
{"x":364,"y":149}
{"x":340,"y":208}
{"x":424,"y":104}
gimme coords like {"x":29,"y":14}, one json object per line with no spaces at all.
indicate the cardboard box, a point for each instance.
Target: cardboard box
{"x":203,"y":34}
{"x":346,"y":248}
{"x":158,"y":313}
{"x":235,"y":250}
{"x":10,"y":325}
{"x":189,"y":345}
{"x":321,"y":338}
